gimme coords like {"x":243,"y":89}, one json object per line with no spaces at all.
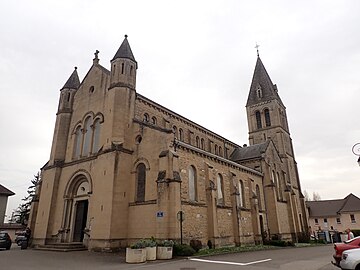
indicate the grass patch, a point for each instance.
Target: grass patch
{"x":225,"y":250}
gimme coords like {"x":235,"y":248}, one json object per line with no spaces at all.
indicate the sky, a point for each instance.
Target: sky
{"x":196,"y":58}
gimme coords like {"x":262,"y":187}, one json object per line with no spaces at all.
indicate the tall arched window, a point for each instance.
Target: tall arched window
{"x":77,"y":146}
{"x":87,"y":137}
{"x":197,"y":141}
{"x":258,"y":119}
{"x":258,"y":195}
{"x":175,"y":131}
{"x":241,"y":194}
{"x":216,"y":149}
{"x":181,"y":134}
{"x":192,"y":184}
{"x":153,"y":120}
{"x":220,"y":151}
{"x":275,"y":179}
{"x":202,"y":144}
{"x":140,"y":182}
{"x":96,"y":136}
{"x":267,"y":117}
{"x":279,"y":187}
{"x":220,"y":189}
{"x":146,"y":117}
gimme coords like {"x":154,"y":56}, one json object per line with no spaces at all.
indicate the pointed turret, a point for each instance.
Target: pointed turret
{"x":123,"y":67}
{"x":73,"y":82}
{"x":124,"y":51}
{"x":68,"y":92}
{"x":262,"y":89}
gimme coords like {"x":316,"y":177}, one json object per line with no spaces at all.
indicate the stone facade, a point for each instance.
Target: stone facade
{"x":122,"y":167}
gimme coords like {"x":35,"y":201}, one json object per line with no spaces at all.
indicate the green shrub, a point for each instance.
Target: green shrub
{"x":196,"y":244}
{"x":139,"y":244}
{"x":303,"y":237}
{"x":183,"y":250}
{"x":165,"y":243}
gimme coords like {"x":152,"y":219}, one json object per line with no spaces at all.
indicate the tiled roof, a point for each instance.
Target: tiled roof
{"x":327,"y":208}
{"x":249,"y":152}
{"x":261,"y":79}
{"x":5,"y":191}
{"x":125,"y":51}
{"x":73,"y":82}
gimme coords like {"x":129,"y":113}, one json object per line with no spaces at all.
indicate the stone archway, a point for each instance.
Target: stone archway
{"x":76,"y":206}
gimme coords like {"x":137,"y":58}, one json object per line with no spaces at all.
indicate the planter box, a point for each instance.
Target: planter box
{"x":164,"y":253}
{"x":150,"y":253}
{"x":135,"y":255}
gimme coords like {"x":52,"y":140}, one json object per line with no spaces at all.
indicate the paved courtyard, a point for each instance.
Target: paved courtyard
{"x":311,"y":258}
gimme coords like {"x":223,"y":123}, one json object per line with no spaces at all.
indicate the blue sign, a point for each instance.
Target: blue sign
{"x":160,"y":214}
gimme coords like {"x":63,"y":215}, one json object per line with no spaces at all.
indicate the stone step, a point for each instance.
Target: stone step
{"x":63,"y":247}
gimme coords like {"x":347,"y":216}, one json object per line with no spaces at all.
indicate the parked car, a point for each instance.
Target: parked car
{"x":20,"y":237}
{"x":350,"y":259}
{"x":5,"y":240}
{"x":341,"y":247}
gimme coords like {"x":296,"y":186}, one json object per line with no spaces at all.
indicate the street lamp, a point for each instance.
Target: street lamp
{"x":356,"y":151}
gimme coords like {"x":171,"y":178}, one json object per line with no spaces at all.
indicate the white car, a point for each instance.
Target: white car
{"x":350,"y":259}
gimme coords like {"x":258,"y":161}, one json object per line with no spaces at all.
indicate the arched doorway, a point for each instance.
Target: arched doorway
{"x":76,"y":206}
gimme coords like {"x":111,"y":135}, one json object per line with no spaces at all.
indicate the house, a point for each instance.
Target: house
{"x":4,"y":194}
{"x":334,"y":215}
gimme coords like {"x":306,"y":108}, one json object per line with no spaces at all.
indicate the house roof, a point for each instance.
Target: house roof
{"x":5,"y":191}
{"x":327,"y":208}
{"x":249,"y":152}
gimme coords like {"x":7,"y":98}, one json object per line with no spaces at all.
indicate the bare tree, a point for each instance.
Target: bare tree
{"x":316,"y":196}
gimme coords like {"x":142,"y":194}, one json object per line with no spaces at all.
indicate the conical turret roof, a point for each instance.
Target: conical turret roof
{"x":124,"y":51}
{"x":73,"y":82}
{"x":261,"y":89}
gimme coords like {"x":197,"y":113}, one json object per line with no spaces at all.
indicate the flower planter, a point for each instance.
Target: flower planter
{"x":164,"y":253}
{"x":135,"y":255}
{"x":150,"y":253}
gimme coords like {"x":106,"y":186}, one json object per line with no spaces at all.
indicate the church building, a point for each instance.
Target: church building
{"x":123,"y":167}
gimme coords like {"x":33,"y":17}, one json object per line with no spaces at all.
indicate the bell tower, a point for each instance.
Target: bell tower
{"x":122,"y":94}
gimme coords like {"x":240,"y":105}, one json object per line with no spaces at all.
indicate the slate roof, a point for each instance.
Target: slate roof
{"x":73,"y":82}
{"x":262,"y":79}
{"x":249,"y":152}
{"x":125,"y":51}
{"x":327,"y":208}
{"x":5,"y":191}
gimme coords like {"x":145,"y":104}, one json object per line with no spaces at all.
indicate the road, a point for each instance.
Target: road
{"x":309,"y":258}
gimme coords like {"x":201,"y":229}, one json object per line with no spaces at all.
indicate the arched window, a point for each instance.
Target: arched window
{"x":241,"y":194}
{"x":267,"y":117}
{"x":220,"y":189}
{"x":259,"y":92}
{"x":146,"y":117}
{"x":77,"y":145}
{"x":181,"y":134}
{"x":96,"y":136}
{"x":192,"y":184}
{"x":122,"y":68}
{"x":175,"y":131}
{"x":153,"y":120}
{"x":140,"y":182}
{"x":258,"y":195}
{"x":220,"y":151}
{"x":216,"y":149}
{"x":87,"y":137}
{"x":279,"y":187}
{"x":197,"y":141}
{"x":275,"y":179}
{"x":258,"y":119}
{"x":202,"y":144}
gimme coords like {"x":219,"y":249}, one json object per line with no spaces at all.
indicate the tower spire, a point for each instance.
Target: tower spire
{"x":73,"y":82}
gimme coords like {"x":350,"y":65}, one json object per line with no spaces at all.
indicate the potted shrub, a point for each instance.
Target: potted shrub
{"x":150,"y":249}
{"x":164,"y":250}
{"x":136,"y":253}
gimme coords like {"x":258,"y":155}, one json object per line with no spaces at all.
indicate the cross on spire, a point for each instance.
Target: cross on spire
{"x":257,"y":48}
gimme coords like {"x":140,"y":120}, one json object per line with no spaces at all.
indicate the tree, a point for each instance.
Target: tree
{"x":316,"y":196}
{"x":22,"y":213}
{"x":306,"y":196}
